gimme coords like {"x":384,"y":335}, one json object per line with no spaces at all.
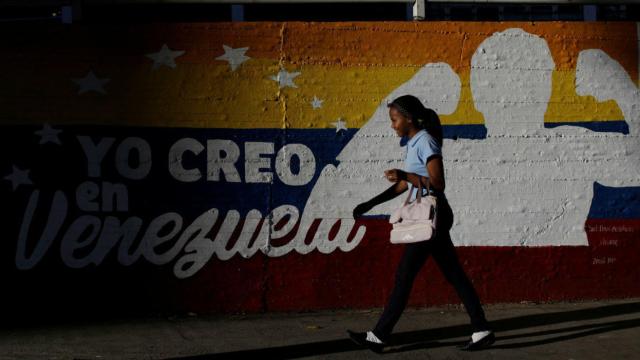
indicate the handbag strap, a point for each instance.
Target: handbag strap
{"x":419,"y":194}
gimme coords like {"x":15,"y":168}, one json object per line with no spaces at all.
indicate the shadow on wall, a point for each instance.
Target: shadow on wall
{"x":432,"y":338}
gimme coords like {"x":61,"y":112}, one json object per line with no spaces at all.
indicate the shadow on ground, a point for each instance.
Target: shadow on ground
{"x":432,"y":338}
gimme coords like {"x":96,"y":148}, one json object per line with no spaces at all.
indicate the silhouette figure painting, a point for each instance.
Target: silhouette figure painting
{"x":522,"y":185}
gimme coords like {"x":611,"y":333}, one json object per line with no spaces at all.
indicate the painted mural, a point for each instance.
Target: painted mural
{"x":232,"y":155}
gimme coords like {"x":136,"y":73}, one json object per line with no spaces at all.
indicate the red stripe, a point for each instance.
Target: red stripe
{"x":363,"y":278}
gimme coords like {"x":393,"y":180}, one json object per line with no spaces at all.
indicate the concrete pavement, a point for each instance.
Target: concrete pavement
{"x":585,"y":330}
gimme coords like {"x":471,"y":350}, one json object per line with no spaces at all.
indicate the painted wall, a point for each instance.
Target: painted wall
{"x":214,"y":167}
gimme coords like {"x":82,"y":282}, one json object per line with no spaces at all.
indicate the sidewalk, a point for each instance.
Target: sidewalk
{"x":586,"y":330}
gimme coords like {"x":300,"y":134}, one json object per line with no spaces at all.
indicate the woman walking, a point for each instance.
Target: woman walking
{"x":423,"y":163}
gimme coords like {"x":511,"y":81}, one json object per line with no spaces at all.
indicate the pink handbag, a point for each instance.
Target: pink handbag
{"x":415,"y":221}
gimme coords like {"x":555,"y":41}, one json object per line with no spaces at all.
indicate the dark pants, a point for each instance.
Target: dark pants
{"x":414,"y":257}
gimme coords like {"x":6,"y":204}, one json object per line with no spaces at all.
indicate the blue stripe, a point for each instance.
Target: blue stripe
{"x":615,"y":202}
{"x":620,"y":126}
{"x":471,"y":131}
{"x":64,"y":167}
{"x":479,"y":131}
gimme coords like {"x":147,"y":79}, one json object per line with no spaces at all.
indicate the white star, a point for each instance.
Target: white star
{"x":91,"y":82}
{"x":316,"y":103}
{"x":285,"y":78}
{"x":164,"y":57}
{"x":235,"y":57}
{"x":18,"y":177}
{"x":48,"y":134}
{"x":340,"y":125}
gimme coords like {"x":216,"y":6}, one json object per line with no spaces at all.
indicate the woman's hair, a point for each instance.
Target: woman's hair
{"x":422,"y":117}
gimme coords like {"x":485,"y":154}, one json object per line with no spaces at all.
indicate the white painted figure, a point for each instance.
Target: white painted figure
{"x":522,"y":185}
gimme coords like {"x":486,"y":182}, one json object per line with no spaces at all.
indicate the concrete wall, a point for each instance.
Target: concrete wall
{"x":214,"y":167}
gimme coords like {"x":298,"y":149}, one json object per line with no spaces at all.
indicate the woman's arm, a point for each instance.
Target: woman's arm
{"x":435,"y":169}
{"x":393,"y":191}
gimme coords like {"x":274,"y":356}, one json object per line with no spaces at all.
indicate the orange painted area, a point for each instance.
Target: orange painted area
{"x":348,"y":43}
{"x":409,"y":43}
{"x":567,"y":39}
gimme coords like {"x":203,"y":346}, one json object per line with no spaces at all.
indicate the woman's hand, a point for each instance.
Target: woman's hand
{"x":361,"y":209}
{"x":395,"y":175}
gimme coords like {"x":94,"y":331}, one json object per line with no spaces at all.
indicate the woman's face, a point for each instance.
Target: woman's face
{"x":400,"y":123}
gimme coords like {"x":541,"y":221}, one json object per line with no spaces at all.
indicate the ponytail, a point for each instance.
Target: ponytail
{"x":432,"y":124}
